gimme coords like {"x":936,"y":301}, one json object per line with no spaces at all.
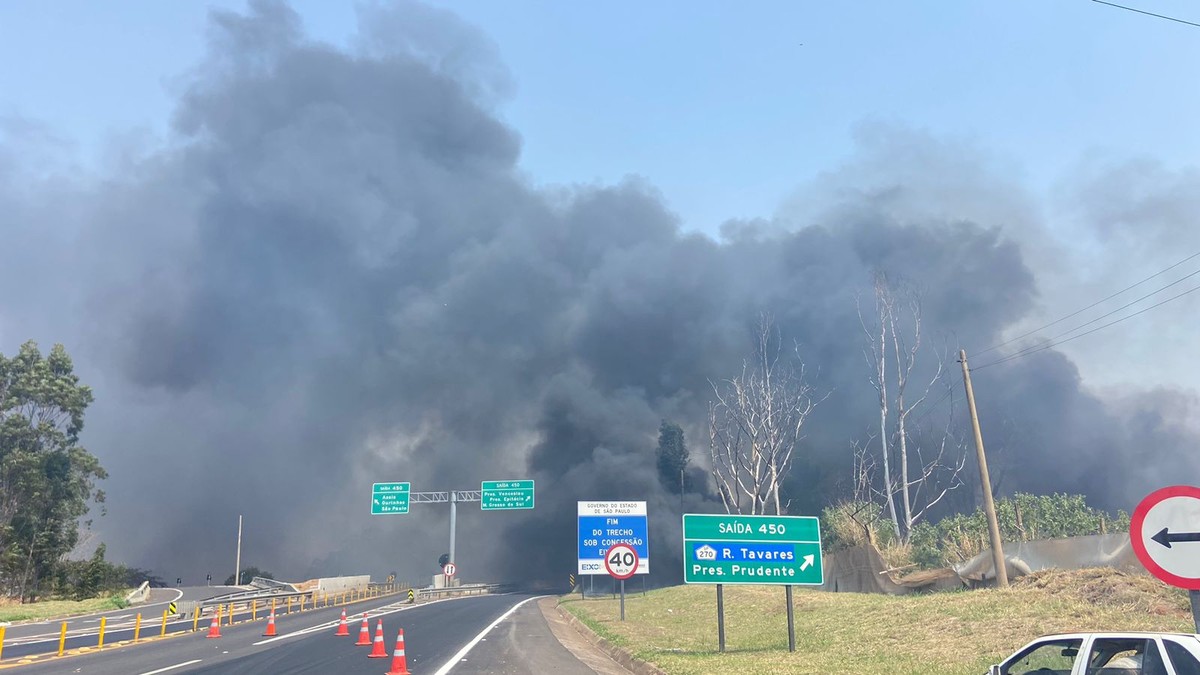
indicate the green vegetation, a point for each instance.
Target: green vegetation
{"x":959,"y":537}
{"x":671,"y":457}
{"x":50,"y":609}
{"x":931,"y":634}
{"x":247,"y":575}
{"x":47,"y":480}
{"x":1023,"y":517}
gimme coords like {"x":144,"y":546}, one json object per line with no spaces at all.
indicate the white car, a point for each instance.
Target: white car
{"x":1106,"y":654}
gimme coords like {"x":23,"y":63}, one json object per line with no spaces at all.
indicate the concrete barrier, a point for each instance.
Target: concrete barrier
{"x":338,"y":584}
{"x":140,"y":594}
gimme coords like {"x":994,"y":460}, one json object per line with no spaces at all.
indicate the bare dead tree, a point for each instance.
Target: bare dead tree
{"x":919,"y":466}
{"x":756,"y":421}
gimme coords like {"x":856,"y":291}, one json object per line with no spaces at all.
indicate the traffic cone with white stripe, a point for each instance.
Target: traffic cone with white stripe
{"x":342,"y":628}
{"x":270,"y":632}
{"x":399,"y":662}
{"x":364,"y":633}
{"x":214,"y":628}
{"x":378,"y":648}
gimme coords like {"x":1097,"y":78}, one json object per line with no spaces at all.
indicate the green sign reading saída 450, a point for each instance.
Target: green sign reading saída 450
{"x":496,"y":495}
{"x":731,"y":549}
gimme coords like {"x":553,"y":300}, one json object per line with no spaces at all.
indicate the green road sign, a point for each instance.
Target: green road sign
{"x":506,"y":494}
{"x":389,"y":498}
{"x":730,"y":549}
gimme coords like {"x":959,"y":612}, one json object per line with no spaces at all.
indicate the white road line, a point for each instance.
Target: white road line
{"x":471,"y":645}
{"x":177,"y":665}
{"x":350,"y":619}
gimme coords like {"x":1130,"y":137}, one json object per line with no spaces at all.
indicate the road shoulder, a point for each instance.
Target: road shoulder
{"x":574,"y":632}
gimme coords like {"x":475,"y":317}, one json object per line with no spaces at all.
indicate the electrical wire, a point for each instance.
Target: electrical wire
{"x":1111,"y":323}
{"x":1142,"y":11}
{"x":1098,"y":302}
{"x":1127,"y":305}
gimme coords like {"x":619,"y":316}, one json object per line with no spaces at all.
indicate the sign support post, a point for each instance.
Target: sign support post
{"x":621,"y":562}
{"x":720,"y":618}
{"x":453,"y":514}
{"x":791,"y":622}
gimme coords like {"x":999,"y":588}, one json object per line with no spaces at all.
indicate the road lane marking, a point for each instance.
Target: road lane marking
{"x":371,"y":614}
{"x":177,"y":665}
{"x":462,"y":653}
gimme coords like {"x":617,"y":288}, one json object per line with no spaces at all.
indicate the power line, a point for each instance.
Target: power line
{"x":1111,"y":323}
{"x":1142,"y":11}
{"x":1127,"y":305}
{"x":1098,"y":302}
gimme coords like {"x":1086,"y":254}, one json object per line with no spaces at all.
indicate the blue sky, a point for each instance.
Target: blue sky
{"x":725,"y":107}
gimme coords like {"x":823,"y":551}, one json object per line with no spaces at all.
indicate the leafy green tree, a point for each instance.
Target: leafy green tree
{"x":672,"y":456}
{"x":1022,"y":517}
{"x":47,"y":480}
{"x":247,"y":575}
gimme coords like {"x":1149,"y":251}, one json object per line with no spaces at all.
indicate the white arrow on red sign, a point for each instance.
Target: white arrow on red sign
{"x":1165,"y":533}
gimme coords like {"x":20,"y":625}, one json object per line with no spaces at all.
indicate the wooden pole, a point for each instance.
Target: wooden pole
{"x":989,"y":506}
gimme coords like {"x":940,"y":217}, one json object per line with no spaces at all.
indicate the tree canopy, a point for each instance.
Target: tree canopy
{"x":672,"y":456}
{"x":47,"y":480}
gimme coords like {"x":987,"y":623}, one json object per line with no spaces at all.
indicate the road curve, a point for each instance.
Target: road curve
{"x":434,"y":633}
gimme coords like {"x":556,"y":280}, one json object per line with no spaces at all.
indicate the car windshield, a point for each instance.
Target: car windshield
{"x":1055,"y":657}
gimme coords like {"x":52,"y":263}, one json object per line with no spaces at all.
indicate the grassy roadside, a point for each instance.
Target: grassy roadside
{"x":49,"y":609}
{"x":933,"y":634}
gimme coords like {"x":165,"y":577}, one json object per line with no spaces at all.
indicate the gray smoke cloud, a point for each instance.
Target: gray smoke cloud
{"x":334,"y":272}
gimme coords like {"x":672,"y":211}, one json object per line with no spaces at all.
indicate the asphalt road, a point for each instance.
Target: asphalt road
{"x":36,"y":637}
{"x":435,"y":634}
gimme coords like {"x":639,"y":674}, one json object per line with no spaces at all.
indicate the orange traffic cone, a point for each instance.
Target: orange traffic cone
{"x":270,"y":632}
{"x":364,"y":633}
{"x":342,"y":629}
{"x":214,"y":628}
{"x":378,"y":648}
{"x":399,"y":663}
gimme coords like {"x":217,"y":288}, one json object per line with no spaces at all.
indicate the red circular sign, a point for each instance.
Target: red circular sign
{"x":621,"y":561}
{"x":1173,"y":558}
{"x":449,"y":569}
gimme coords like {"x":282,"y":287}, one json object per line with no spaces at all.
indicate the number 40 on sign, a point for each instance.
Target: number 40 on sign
{"x":621,"y":561}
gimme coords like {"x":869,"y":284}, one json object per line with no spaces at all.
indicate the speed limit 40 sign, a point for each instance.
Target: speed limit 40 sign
{"x":621,"y":561}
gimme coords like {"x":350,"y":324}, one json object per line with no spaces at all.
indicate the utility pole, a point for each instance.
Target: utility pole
{"x":237,"y":570}
{"x":680,"y":493}
{"x":453,"y":514}
{"x":989,"y":506}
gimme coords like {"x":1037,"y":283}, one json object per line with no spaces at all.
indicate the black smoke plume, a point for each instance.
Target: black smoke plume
{"x":333,"y":272}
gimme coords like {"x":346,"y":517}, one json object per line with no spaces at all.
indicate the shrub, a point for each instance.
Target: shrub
{"x":1023,"y":517}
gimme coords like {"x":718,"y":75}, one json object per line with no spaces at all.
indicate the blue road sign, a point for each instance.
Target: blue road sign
{"x":602,"y":524}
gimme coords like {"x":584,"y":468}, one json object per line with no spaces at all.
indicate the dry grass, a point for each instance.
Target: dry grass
{"x":932,"y":634}
{"x":10,"y":610}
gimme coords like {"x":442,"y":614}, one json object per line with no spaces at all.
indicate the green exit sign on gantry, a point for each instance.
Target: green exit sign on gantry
{"x":506,"y":494}
{"x":389,"y":498}
{"x":734,"y":549}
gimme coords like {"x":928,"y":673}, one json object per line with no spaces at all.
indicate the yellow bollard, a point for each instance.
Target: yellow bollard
{"x":230,"y":614}
{"x":103,"y":622}
{"x":195,"y":617}
{"x":302,"y":603}
{"x":62,"y":639}
{"x":272,"y":605}
{"x":254,"y":610}
{"x":164,"y":626}
{"x":289,"y":604}
{"x":137,"y":627}
{"x":1,"y":642}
